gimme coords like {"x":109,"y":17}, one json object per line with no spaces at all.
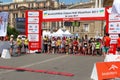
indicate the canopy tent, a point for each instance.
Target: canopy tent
{"x":56,"y":35}
{"x":67,"y":32}
{"x":46,"y":33}
{"x":61,"y":33}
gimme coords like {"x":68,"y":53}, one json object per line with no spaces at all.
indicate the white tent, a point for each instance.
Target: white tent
{"x":67,"y":32}
{"x":56,"y":35}
{"x":60,"y":31}
{"x":46,"y":33}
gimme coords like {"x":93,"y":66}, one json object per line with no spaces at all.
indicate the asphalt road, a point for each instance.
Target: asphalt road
{"x":4,"y":45}
{"x":80,"y":66}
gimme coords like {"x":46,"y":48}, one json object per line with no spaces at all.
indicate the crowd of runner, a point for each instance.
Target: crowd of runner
{"x":68,"y":45}
{"x":64,"y":45}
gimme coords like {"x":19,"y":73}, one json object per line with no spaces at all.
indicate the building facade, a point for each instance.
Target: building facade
{"x":91,"y":28}
{"x":107,"y":3}
{"x":18,"y":7}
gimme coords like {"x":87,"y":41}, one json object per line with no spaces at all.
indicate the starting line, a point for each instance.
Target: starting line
{"x":38,"y":71}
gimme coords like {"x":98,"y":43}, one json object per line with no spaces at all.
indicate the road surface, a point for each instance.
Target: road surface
{"x":80,"y":66}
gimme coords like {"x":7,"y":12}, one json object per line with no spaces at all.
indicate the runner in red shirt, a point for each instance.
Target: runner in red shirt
{"x":118,"y":44}
{"x":75,"y":46}
{"x":106,"y":44}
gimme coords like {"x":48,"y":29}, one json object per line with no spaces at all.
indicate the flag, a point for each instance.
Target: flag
{"x":3,"y":23}
{"x":116,"y":7}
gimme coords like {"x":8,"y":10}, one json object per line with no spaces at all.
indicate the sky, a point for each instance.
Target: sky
{"x":65,"y":1}
{"x":6,"y":0}
{"x":73,"y":1}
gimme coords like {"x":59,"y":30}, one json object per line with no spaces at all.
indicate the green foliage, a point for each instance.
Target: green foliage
{"x":12,"y":31}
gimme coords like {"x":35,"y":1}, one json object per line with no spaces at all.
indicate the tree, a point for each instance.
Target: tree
{"x":13,"y":31}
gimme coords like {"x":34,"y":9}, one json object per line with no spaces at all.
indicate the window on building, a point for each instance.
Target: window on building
{"x":41,"y":5}
{"x":15,"y":6}
{"x":44,"y":5}
{"x":86,"y":27}
{"x":43,"y":25}
{"x":22,"y":15}
{"x":31,"y":5}
{"x":15,"y":15}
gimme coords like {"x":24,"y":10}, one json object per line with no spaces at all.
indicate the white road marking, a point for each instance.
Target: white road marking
{"x":29,"y":65}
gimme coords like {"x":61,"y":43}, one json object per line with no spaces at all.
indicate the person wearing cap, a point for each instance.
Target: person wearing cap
{"x":11,"y":44}
{"x":19,"y":45}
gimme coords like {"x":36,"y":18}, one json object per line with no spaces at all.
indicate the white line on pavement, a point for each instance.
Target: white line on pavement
{"x":48,"y":60}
